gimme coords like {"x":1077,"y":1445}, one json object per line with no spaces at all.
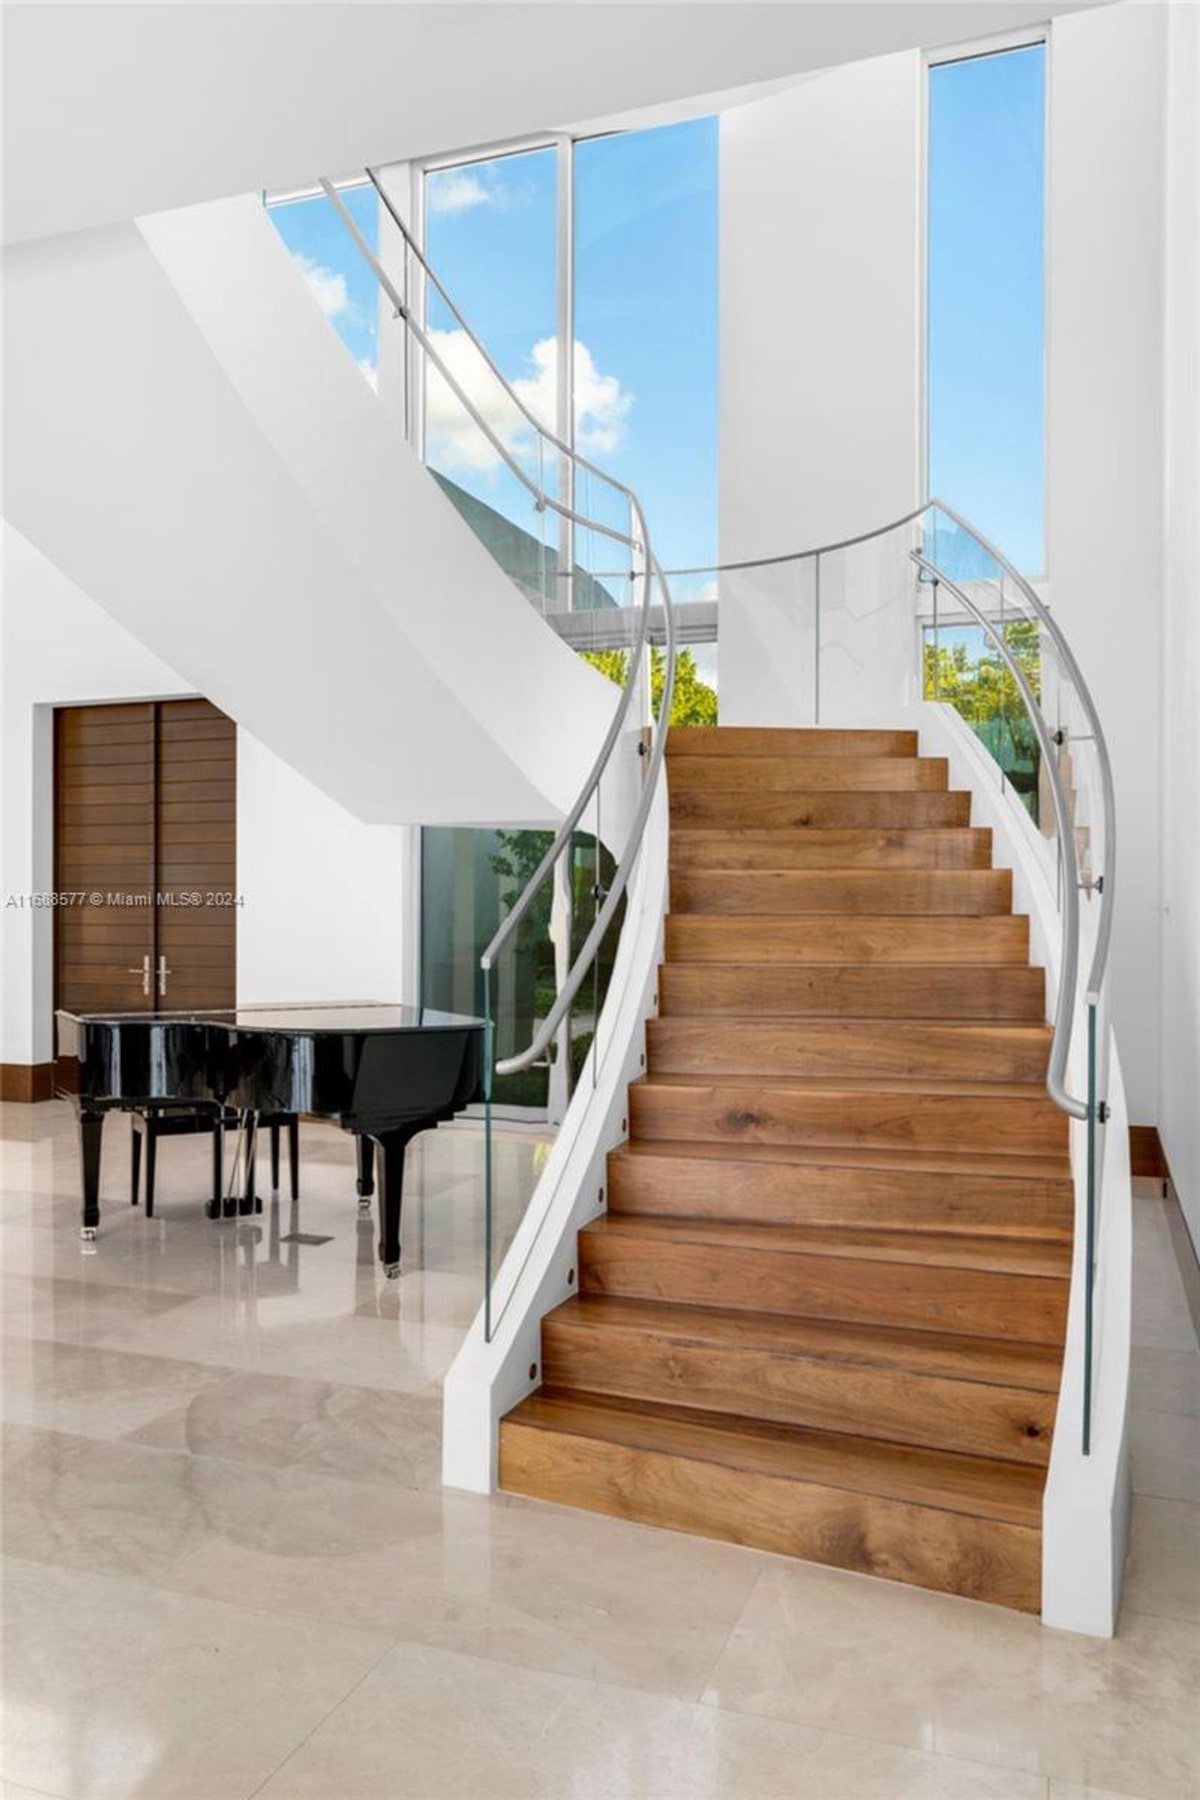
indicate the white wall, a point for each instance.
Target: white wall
{"x":821,"y":318}
{"x":1105,"y":452}
{"x":326,"y":914}
{"x":197,"y":451}
{"x":1179,"y":1114}
{"x":819,"y":278}
{"x":306,"y":90}
{"x":819,"y":385}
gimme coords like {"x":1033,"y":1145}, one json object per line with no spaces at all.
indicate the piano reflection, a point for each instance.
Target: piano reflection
{"x":384,"y":1072}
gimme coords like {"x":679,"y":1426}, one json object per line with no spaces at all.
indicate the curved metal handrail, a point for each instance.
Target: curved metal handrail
{"x":1048,"y":623}
{"x":1045,"y":618}
{"x":1064,"y":1010}
{"x":650,"y":573}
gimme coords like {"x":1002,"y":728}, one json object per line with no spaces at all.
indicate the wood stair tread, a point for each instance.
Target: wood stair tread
{"x":1037,"y":1258}
{"x":976,"y":1486}
{"x":849,"y":1084}
{"x":1003,"y":1166}
{"x":1007,"y":1362}
{"x":795,"y":740}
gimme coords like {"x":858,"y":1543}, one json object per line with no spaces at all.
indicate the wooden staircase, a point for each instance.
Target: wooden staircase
{"x":824,"y":1312}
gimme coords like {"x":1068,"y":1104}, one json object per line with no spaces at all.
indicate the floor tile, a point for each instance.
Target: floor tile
{"x":359,"y":1434}
{"x":539,"y":1587}
{"x":459,"y":1727}
{"x":848,"y":1653}
{"x":1166,"y":1455}
{"x":1162,"y":1575}
{"x":95,"y":1393}
{"x":1166,"y":1381}
{"x":114,"y":1688}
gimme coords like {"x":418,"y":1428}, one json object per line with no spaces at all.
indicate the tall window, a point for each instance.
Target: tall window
{"x":626,"y":311}
{"x":986,"y":296}
{"x":325,"y":254}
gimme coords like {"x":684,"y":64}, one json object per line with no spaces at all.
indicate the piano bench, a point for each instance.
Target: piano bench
{"x":178,"y":1119}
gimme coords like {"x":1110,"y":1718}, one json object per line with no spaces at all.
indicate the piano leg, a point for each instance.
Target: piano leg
{"x":366,"y":1170}
{"x":393,"y":1144}
{"x":91,"y":1128}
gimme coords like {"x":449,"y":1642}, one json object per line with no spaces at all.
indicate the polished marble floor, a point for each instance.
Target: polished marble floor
{"x":230,"y":1571}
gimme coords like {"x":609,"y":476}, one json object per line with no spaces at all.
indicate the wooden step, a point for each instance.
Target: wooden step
{"x":814,"y":810}
{"x":839,"y":1112}
{"x":965,"y":1284}
{"x":787,"y":774}
{"x":879,"y":892}
{"x":796,"y":1184}
{"x":846,"y":938}
{"x":910,"y":1387}
{"x":755,"y":740}
{"x":958,"y":1524}
{"x":748,"y":847}
{"x":852,"y":990}
{"x":910,"y":1049}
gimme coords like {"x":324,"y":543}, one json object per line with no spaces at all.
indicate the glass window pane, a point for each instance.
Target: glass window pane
{"x":490,"y":236}
{"x":645,"y":215}
{"x":329,"y":260}
{"x":986,"y":297}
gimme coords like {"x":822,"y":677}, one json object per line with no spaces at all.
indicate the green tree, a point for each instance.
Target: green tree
{"x":693,"y":702}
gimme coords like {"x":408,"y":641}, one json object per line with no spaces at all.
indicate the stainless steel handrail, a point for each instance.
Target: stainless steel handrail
{"x":770,"y":562}
{"x":639,"y":542}
{"x":591,"y":945}
{"x":1064,"y":1010}
{"x":1046,"y":620}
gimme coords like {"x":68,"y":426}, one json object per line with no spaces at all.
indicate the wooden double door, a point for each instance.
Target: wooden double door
{"x":145,"y":857}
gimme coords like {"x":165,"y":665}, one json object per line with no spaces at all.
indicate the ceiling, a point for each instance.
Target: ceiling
{"x":112,"y":111}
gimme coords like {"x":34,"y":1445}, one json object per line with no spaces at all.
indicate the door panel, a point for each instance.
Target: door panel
{"x":145,"y":818}
{"x":104,"y":943}
{"x":197,"y":855}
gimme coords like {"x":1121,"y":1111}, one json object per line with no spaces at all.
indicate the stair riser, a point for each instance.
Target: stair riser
{"x":1002,"y":940}
{"x":963,"y":892}
{"x":798,"y":810}
{"x":787,"y":1194}
{"x":853,"y":1119}
{"x":848,"y":1048}
{"x":749,"y":849}
{"x":713,"y":990}
{"x":970,"y":1302}
{"x":925,"y":1546}
{"x":755,"y":740}
{"x":900,"y":1406}
{"x":788,"y":774}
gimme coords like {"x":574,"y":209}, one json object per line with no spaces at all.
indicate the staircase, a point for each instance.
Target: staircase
{"x":824,"y":1313}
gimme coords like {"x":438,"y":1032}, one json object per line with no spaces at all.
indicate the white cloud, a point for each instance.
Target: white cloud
{"x":369,"y":372}
{"x":601,"y":405}
{"x":456,"y":191}
{"x":333,"y":296}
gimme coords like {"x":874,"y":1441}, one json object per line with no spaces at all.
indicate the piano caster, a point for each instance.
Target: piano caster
{"x":364,"y":1206}
{"x":88,"y":1235}
{"x":392,"y":1271}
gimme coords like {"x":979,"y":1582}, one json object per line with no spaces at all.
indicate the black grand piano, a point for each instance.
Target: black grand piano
{"x":384,"y":1072}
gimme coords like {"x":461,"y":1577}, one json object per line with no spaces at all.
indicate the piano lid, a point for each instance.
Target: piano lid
{"x":314,"y":1017}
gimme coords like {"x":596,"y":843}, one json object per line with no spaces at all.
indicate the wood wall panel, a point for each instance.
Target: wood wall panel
{"x":145,"y":805}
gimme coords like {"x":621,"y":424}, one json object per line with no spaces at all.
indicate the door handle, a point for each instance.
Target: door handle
{"x":163,"y":972}
{"x":144,"y":972}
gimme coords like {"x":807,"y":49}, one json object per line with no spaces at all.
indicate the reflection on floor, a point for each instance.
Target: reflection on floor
{"x":230,"y":1570}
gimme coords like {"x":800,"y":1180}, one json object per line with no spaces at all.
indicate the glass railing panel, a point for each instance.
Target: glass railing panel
{"x":864,"y":629}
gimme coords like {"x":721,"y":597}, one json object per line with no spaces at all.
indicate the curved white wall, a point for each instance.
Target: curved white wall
{"x":188,"y":441}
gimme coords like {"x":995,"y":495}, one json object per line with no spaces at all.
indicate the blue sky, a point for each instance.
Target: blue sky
{"x":987,"y":296}
{"x":646,"y":310}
